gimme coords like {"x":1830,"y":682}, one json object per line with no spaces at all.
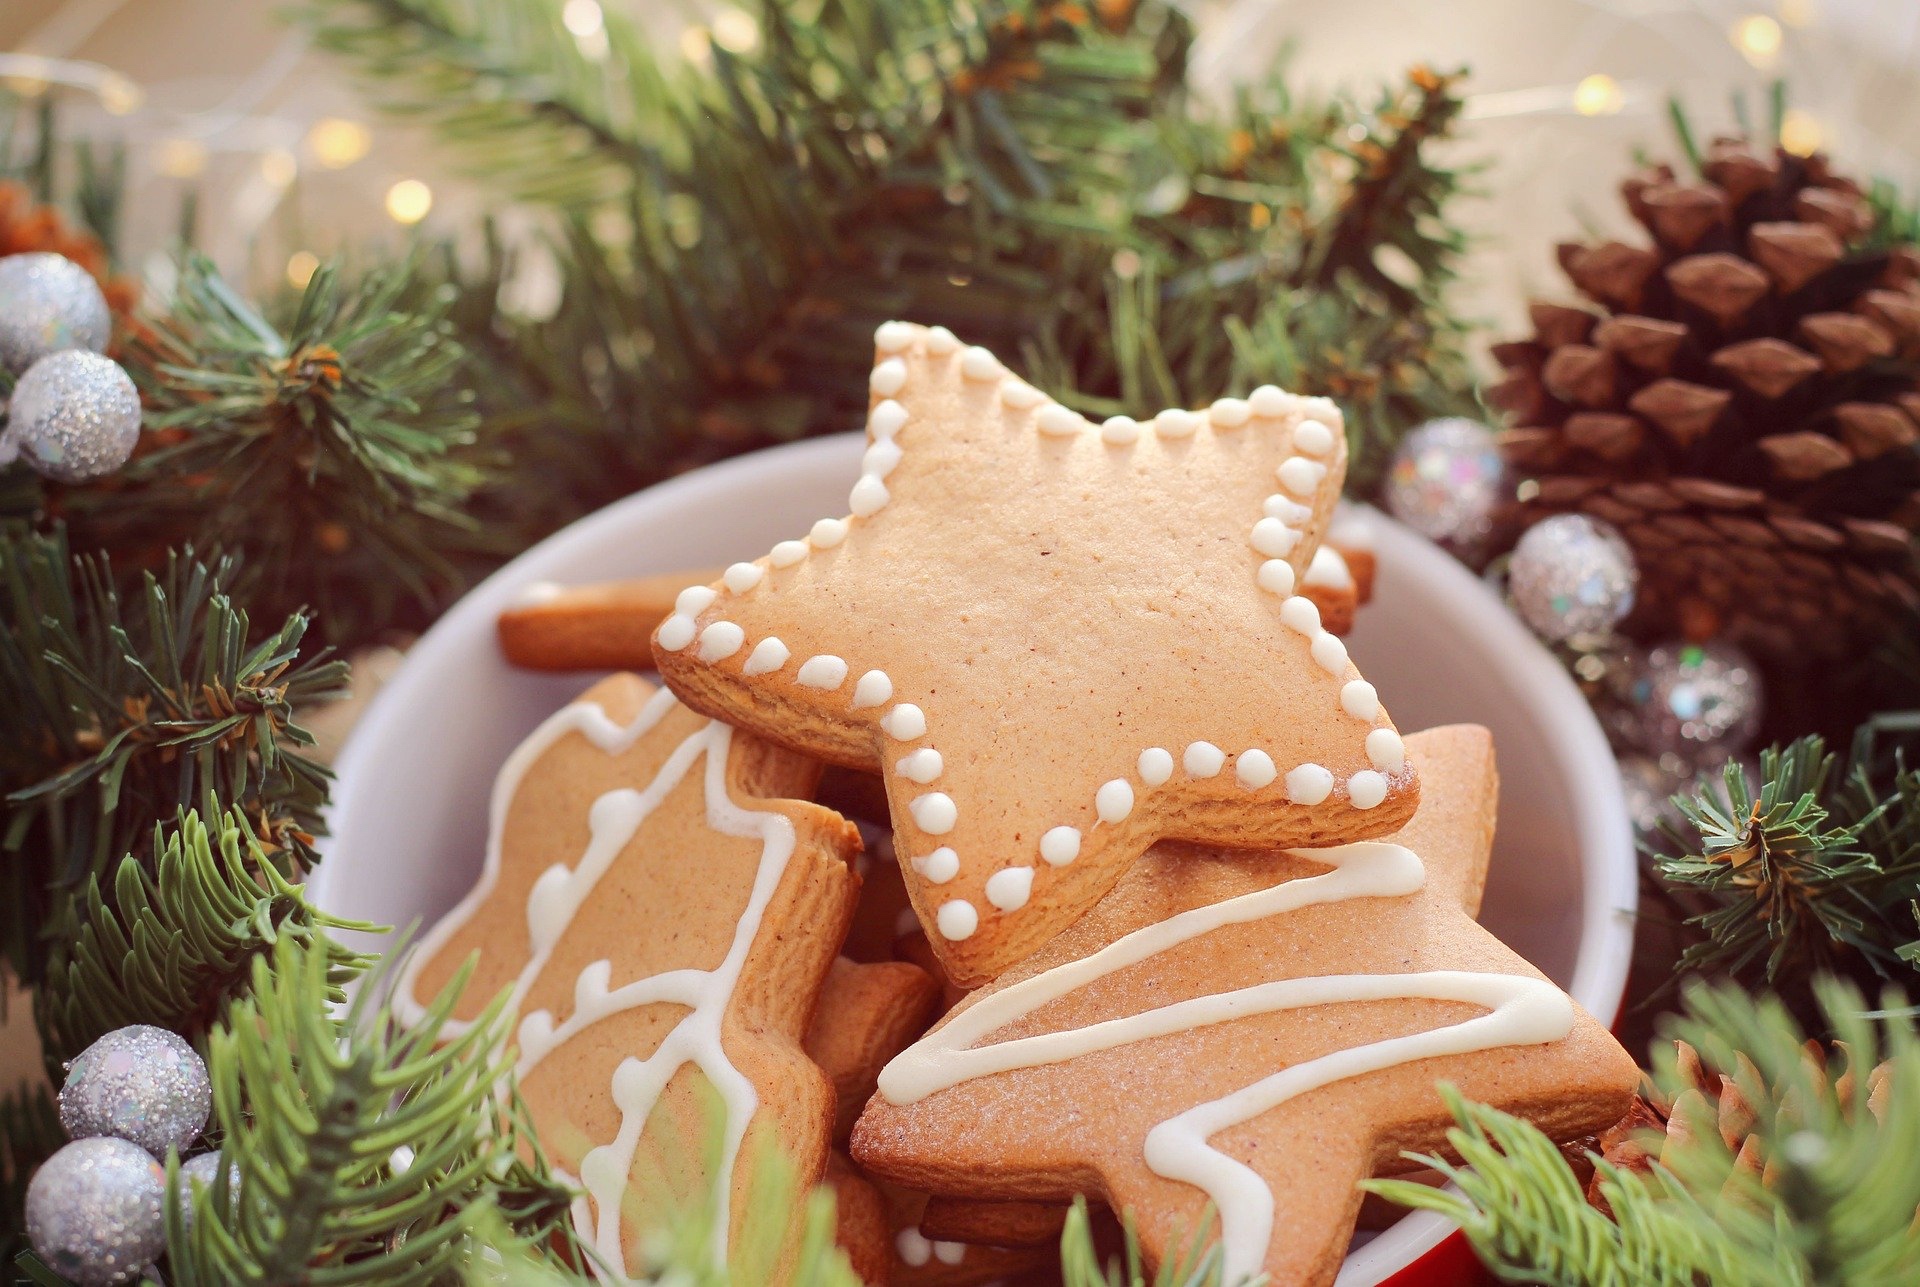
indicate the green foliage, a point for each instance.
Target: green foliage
{"x":313,"y":1111}
{"x":1032,"y":175}
{"x":29,"y":1131}
{"x":172,"y":940}
{"x":1198,"y":1265}
{"x":1838,"y":1208}
{"x":331,"y":452}
{"x":122,"y":710}
{"x":1816,"y":871}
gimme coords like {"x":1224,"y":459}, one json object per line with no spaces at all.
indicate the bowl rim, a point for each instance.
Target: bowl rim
{"x":1609,"y":871}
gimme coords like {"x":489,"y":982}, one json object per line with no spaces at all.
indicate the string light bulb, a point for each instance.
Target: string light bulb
{"x":120,"y":96}
{"x":337,"y":143}
{"x":279,"y":167}
{"x":1758,"y":38}
{"x":583,"y":17}
{"x":181,"y":158}
{"x":1598,"y":95}
{"x":1799,"y":13}
{"x":735,"y":31}
{"x":301,"y":266}
{"x":1800,"y":133}
{"x":408,"y":201}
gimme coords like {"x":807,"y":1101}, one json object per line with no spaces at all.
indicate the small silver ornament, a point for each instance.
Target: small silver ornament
{"x":1446,"y":480}
{"x":48,"y":304}
{"x":1650,"y":784}
{"x":138,"y":1083}
{"x":1572,"y":577}
{"x":203,"y":1171}
{"x":75,"y":416}
{"x":1701,"y":702}
{"x":95,"y":1211}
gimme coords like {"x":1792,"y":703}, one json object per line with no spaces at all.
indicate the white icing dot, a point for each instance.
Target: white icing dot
{"x":1228,"y":413}
{"x":1366,"y":789}
{"x":938,"y":867}
{"x":922,"y":766}
{"x":741,"y":577}
{"x":1156,"y":765}
{"x":1008,"y":889}
{"x":905,"y":722}
{"x":1330,"y":651}
{"x":873,"y":689}
{"x":1057,"y":421}
{"x":1020,"y":395}
{"x":868,"y":497}
{"x":887,"y":419}
{"x":978,"y":364}
{"x":1302,"y":614}
{"x":1324,"y":410}
{"x":881,"y":458}
{"x":827,"y":533}
{"x":1287,"y":511}
{"x":787,"y":553}
{"x":957,"y":919}
{"x":1276,"y":577}
{"x":941,"y":342}
{"x":694,"y":600}
{"x":888,"y":378}
{"x":721,"y":640}
{"x":1386,"y":750}
{"x":1254,"y":769}
{"x":950,"y":1253}
{"x":1360,"y":699}
{"x":603,"y":1170}
{"x":1309,"y":784}
{"x":1119,"y":430}
{"x":913,"y":1247}
{"x":768,"y":654}
{"x":1269,"y":400}
{"x":1060,"y":846}
{"x":676,"y":632}
{"x":934,"y":813}
{"x":1114,"y":800}
{"x":1273,"y":538}
{"x":1300,"y":476}
{"x":1175,"y":423}
{"x":1203,"y":759}
{"x":1329,"y":569}
{"x":1313,"y":437}
{"x":891,"y":337}
{"x":825,"y":671}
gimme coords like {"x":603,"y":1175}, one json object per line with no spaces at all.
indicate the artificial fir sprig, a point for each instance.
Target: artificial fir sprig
{"x":1837,"y":1207}
{"x":29,"y":1131}
{"x":172,"y":939}
{"x":355,"y":1151}
{"x":1815,"y":870}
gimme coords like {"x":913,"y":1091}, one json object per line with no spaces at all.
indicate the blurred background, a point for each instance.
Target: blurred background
{"x":290,"y":166}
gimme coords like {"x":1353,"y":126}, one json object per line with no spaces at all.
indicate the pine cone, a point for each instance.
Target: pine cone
{"x":1741,"y":399}
{"x":1655,"y":1127}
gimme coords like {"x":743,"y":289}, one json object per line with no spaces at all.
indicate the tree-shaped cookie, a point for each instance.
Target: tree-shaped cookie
{"x":665,"y":921}
{"x":1058,"y":641}
{"x":1255,"y":1031}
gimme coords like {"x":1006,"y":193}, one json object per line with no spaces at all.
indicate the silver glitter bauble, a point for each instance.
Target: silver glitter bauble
{"x":1446,"y":479}
{"x":1572,"y":576}
{"x":95,"y":1211}
{"x":1701,"y":702}
{"x":75,"y":416}
{"x":1650,"y":784}
{"x":48,"y":303}
{"x":203,"y":1171}
{"x":138,"y":1083}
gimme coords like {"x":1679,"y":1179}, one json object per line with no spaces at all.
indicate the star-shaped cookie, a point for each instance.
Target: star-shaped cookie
{"x":1255,"y":1031}
{"x":1059,"y":642}
{"x":665,"y":922}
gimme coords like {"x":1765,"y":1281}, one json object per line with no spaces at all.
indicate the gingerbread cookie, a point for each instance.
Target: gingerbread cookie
{"x":1255,"y":1031}
{"x":663,"y":921}
{"x":867,"y":1014}
{"x":1058,"y":641}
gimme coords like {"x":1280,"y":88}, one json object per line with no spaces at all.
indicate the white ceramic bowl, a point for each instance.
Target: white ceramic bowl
{"x":409,"y":812}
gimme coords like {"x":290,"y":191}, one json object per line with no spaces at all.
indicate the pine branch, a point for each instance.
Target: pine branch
{"x":360,"y":1153}
{"x":333,"y":453}
{"x":123,"y":711}
{"x":29,"y":1131}
{"x":1818,"y":871}
{"x":173,"y":939}
{"x":1198,"y":1264}
{"x":1837,"y":1207}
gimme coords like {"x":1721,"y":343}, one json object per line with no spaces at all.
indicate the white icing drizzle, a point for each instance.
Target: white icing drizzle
{"x":1520,"y":1011}
{"x":556,"y":899}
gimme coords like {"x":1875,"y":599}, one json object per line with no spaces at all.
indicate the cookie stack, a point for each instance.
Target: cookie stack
{"x":1154,"y":903}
